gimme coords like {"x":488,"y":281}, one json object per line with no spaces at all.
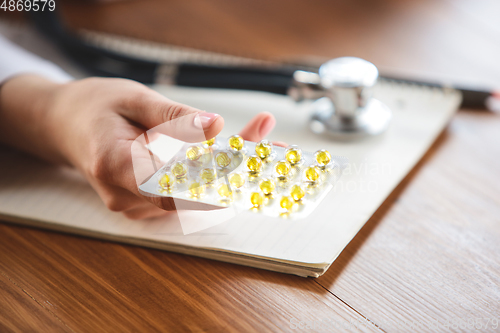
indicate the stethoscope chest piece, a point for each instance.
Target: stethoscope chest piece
{"x":348,"y":109}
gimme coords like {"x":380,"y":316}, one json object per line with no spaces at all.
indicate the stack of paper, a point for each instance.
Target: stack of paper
{"x":35,"y":193}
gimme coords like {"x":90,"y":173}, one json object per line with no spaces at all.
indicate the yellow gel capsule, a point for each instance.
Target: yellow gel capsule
{"x":282,"y":168}
{"x":236,"y":142}
{"x":293,"y":155}
{"x":194,"y":153}
{"x":323,"y":157}
{"x":297,"y":192}
{"x":224,"y":191}
{"x":236,"y":180}
{"x":286,"y":203}
{"x":263,"y":149}
{"x":208,"y":176}
{"x":222,"y":159}
{"x":209,"y":142}
{"x":267,"y":185}
{"x":254,"y":163}
{"x":312,"y":173}
{"x":256,"y":199}
{"x":196,"y":189}
{"x":179,"y":170}
{"x":166,"y":181}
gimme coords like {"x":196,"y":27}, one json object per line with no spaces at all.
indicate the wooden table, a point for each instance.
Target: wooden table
{"x":429,"y":255}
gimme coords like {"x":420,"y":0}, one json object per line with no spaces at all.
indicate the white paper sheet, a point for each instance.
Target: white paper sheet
{"x":36,"y":191}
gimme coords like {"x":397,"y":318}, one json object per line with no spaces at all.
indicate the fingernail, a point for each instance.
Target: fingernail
{"x":266,"y":126}
{"x":205,"y":119}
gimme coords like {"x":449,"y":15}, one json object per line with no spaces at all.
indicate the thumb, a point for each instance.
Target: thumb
{"x":154,"y":111}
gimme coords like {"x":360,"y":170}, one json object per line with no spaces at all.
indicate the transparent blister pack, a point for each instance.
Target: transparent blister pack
{"x":260,"y":177}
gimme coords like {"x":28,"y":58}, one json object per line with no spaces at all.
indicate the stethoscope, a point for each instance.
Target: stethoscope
{"x":344,"y":106}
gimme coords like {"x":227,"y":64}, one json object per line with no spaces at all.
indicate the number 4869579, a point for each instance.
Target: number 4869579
{"x":28,"y":5}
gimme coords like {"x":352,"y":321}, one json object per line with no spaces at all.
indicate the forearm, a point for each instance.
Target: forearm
{"x":25,"y":102}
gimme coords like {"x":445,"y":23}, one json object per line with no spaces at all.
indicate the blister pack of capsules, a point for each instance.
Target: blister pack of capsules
{"x":260,"y":177}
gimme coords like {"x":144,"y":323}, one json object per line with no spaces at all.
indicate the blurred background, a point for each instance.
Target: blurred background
{"x":449,"y":41}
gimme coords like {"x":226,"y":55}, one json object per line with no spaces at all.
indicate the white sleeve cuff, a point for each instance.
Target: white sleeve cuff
{"x":15,"y":60}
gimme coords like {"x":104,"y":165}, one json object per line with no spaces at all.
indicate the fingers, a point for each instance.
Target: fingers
{"x":117,"y":180}
{"x":155,"y":111}
{"x":168,"y":203}
{"x":280,"y":144}
{"x":260,"y":126}
{"x":146,"y":211}
{"x":118,"y":199}
{"x":115,"y":198}
{"x":257,"y":128}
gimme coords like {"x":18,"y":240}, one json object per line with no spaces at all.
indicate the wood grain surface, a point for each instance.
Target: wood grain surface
{"x":429,"y":253}
{"x":77,"y":284}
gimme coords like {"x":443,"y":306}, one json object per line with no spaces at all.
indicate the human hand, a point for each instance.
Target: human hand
{"x":92,"y":123}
